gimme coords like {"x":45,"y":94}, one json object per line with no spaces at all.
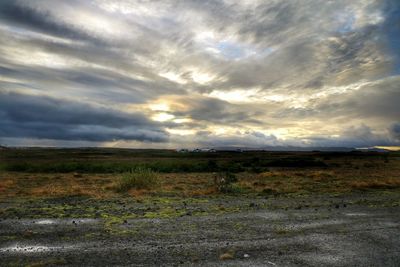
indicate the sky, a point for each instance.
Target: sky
{"x":200,"y":73}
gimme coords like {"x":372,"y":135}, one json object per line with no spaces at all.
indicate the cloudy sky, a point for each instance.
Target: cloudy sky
{"x":137,"y":73}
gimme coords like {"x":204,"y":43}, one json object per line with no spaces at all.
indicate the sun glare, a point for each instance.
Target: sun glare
{"x":159,"y":107}
{"x":163,"y":117}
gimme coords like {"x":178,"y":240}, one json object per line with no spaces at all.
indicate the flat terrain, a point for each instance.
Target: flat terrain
{"x":61,"y":207}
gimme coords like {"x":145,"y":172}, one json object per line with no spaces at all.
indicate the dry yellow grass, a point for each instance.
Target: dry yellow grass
{"x":387,"y":183}
{"x":277,"y":181}
{"x":56,"y":185}
{"x":319,"y":176}
{"x":5,"y":184}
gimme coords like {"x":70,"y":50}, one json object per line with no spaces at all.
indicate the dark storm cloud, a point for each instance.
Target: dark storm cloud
{"x":391,"y":28}
{"x":395,"y":131}
{"x":380,"y":100}
{"x":306,"y":70}
{"x":43,"y":117}
{"x":17,"y":14}
{"x":310,"y":63}
{"x":360,"y":136}
{"x":252,"y":139}
{"x":115,"y":80}
{"x":372,"y":100}
{"x":217,"y":111}
{"x":95,"y":84}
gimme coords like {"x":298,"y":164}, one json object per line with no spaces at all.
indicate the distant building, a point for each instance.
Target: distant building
{"x":196,"y":150}
{"x":207,"y":150}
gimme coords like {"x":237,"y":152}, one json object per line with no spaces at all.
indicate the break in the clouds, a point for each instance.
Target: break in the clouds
{"x":200,"y":73}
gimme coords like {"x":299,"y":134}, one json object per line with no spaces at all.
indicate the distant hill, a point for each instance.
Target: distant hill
{"x":372,"y":149}
{"x":287,"y":148}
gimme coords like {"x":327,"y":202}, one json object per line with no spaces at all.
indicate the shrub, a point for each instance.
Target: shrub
{"x":139,"y":178}
{"x":269,"y":191}
{"x":225,"y":183}
{"x":234,"y":189}
{"x":258,"y":169}
{"x":232,"y":167}
{"x":212,"y":165}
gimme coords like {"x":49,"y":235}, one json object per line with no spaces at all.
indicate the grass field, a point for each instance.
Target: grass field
{"x":97,"y":172}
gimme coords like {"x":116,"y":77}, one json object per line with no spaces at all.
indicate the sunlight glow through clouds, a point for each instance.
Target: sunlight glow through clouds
{"x":159,"y":107}
{"x":163,"y":117}
{"x":181,"y":131}
{"x":238,"y":95}
{"x":182,"y":120}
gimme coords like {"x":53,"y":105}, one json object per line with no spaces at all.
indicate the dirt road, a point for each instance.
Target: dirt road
{"x":361,"y":230}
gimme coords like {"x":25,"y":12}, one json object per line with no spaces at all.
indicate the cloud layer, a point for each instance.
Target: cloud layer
{"x":200,"y":73}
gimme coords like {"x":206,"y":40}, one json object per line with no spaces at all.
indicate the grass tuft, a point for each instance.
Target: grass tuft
{"x":139,"y":178}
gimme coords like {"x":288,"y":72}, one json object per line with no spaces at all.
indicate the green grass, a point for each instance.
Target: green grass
{"x":100,"y":167}
{"x":163,"y":165}
{"x":139,"y":178}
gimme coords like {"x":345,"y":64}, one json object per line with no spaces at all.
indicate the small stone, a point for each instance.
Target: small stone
{"x":246,"y":256}
{"x":337,"y":206}
{"x":252,"y":205}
